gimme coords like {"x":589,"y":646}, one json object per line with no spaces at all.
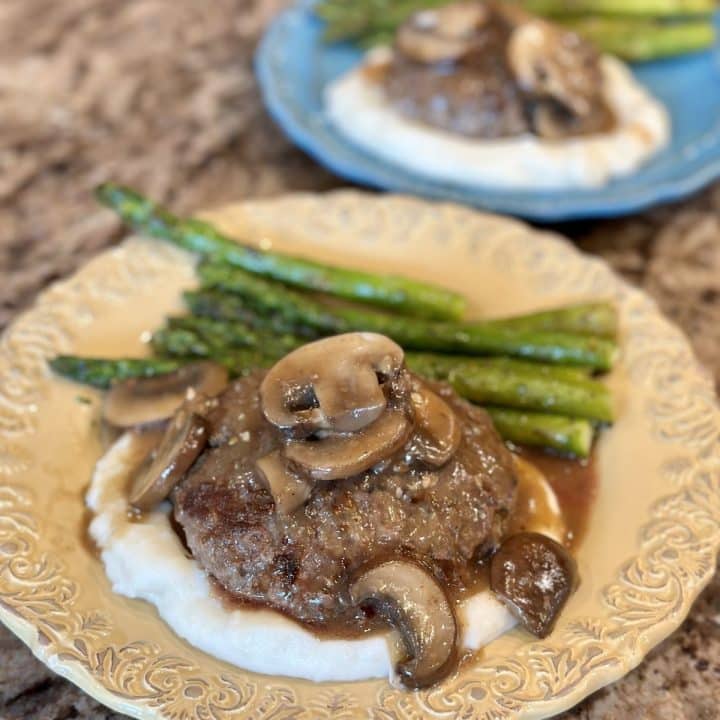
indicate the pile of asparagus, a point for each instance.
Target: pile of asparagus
{"x":636,"y":30}
{"x":534,"y":374}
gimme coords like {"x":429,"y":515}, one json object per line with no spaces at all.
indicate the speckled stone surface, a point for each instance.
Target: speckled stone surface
{"x":161,"y":95}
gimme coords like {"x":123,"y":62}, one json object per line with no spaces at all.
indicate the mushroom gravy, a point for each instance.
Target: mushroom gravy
{"x":486,"y":71}
{"x":575,"y":484}
{"x":300,"y":562}
{"x":349,"y":494}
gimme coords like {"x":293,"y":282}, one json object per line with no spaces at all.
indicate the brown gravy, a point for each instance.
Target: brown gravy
{"x":575,"y":483}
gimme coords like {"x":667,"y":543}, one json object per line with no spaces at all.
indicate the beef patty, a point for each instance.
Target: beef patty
{"x":475,"y":97}
{"x":300,"y":563}
{"x":479,"y":96}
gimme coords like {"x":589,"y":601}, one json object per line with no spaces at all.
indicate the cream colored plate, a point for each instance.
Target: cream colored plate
{"x":650,"y":548}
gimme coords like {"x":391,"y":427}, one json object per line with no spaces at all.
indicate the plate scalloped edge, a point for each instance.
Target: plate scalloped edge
{"x":647,"y":600}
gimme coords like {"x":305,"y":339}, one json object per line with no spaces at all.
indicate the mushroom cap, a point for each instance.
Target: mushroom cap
{"x":534,"y":576}
{"x":412,"y":600}
{"x":443,"y":34}
{"x":334,"y":384}
{"x":144,"y":401}
{"x":439,"y":433}
{"x":553,"y":63}
{"x":289,"y":491}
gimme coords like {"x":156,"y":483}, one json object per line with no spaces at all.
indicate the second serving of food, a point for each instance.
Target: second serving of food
{"x":489,"y":94}
{"x":330,"y":474}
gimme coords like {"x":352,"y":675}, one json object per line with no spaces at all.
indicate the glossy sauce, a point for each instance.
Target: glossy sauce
{"x":575,"y":483}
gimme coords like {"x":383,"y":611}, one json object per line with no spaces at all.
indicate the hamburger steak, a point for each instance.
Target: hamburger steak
{"x":490,"y":71}
{"x":442,"y":504}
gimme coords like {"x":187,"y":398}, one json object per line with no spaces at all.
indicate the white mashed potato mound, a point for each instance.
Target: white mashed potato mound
{"x":358,"y":108}
{"x":146,"y":560}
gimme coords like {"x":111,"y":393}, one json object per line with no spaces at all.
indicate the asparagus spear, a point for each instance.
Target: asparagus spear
{"x":640,"y":40}
{"x":235,"y":334}
{"x":594,"y":318}
{"x":412,"y":333}
{"x":225,"y":307}
{"x":439,"y":367}
{"x":229,"y":332}
{"x":499,"y":381}
{"x":187,"y":345}
{"x":528,"y":390}
{"x":656,"y":8}
{"x":181,"y":343}
{"x":566,"y":435}
{"x":398,"y":293}
{"x":349,"y":20}
{"x":621,"y":27}
{"x":102,"y":373}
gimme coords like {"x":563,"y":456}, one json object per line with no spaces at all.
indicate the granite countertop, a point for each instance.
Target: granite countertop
{"x":162,"y":95}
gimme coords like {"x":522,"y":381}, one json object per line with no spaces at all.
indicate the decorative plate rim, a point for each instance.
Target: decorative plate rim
{"x":365,"y":170}
{"x":646,"y":601}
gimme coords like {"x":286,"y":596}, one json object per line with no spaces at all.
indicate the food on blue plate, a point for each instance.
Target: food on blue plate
{"x":299,"y":494}
{"x":634,"y":30}
{"x":483,"y":93}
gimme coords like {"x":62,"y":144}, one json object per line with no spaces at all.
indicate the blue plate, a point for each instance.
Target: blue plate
{"x":294,"y":65}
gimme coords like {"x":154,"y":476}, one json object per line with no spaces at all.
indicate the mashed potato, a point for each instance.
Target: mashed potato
{"x":357,"y":107}
{"x":146,"y":560}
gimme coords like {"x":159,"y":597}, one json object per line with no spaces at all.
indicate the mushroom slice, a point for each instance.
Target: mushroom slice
{"x":333,"y":384}
{"x":554,"y":63}
{"x":536,"y":506}
{"x":440,"y":433}
{"x":184,"y":439}
{"x":442,"y":35}
{"x":288,"y":490}
{"x":410,"y":598}
{"x":533,"y":576}
{"x":143,"y":401}
{"x":552,"y":121}
{"x":342,"y":456}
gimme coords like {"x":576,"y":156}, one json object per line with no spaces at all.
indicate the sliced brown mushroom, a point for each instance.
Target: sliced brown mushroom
{"x":551,"y":121}
{"x":184,"y":439}
{"x":536,"y":506}
{"x":552,"y":63}
{"x":287,"y":489}
{"x":342,"y":456}
{"x":410,"y":598}
{"x":439,"y":430}
{"x":333,"y":384}
{"x":441,"y":35}
{"x":143,"y":401}
{"x":533,"y":576}
{"x":143,"y":445}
